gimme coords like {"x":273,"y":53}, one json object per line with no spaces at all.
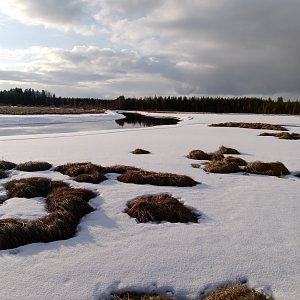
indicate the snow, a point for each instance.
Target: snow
{"x":249,"y":227}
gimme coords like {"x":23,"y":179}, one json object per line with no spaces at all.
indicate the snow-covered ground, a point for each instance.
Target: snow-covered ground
{"x":249,"y":227}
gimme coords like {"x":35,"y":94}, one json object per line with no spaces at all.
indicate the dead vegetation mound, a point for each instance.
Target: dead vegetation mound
{"x":33,"y":166}
{"x":66,"y":206}
{"x":32,"y":187}
{"x":139,"y":296}
{"x":75,"y":169}
{"x":283,"y":135}
{"x":222,"y":166}
{"x":120,"y":169}
{"x":156,"y":178}
{"x":140,"y":151}
{"x":6,"y":165}
{"x":239,"y":161}
{"x":250,"y":125}
{"x":236,"y":292}
{"x":226,"y":150}
{"x":271,"y":168}
{"x":198,"y":154}
{"x":159,"y":208}
{"x":2,"y":174}
{"x":83,"y":172}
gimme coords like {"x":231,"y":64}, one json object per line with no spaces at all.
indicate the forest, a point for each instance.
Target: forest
{"x":31,"y":97}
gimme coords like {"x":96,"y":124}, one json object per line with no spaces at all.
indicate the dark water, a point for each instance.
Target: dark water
{"x":132,"y":120}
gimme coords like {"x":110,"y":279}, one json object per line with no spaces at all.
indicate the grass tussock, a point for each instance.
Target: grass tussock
{"x":139,"y":296}
{"x":226,"y":150}
{"x":75,"y":169}
{"x":32,"y":187}
{"x":120,"y":169}
{"x":66,"y":206}
{"x":154,"y":178}
{"x":33,"y":166}
{"x":140,"y":151}
{"x":265,"y":126}
{"x":198,"y":155}
{"x":283,"y":135}
{"x":6,"y":165}
{"x":272,"y":168}
{"x":94,"y":177}
{"x":239,"y":161}
{"x":236,"y":292}
{"x":222,"y":166}
{"x":159,"y":208}
{"x":83,"y":172}
{"x":3,"y":174}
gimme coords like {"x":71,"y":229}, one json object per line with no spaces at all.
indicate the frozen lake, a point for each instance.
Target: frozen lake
{"x":47,"y":124}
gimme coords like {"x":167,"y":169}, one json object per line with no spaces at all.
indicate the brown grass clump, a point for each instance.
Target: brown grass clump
{"x":272,"y":168}
{"x":236,"y":292}
{"x":161,"y":179}
{"x":139,"y":296}
{"x":250,"y":125}
{"x":2,"y":174}
{"x":33,"y":166}
{"x":283,"y":135}
{"x":215,"y":155}
{"x":239,"y":161}
{"x":120,"y":169}
{"x":83,"y":172}
{"x":198,"y":154}
{"x":6,"y":165}
{"x":225,"y":150}
{"x":75,"y":169}
{"x":158,"y":208}
{"x":94,"y":177}
{"x":222,"y":166}
{"x":140,"y":151}
{"x":66,"y":206}
{"x":32,"y":187}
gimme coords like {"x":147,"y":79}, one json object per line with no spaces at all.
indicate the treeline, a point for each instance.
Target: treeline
{"x":210,"y":104}
{"x":30,"y":97}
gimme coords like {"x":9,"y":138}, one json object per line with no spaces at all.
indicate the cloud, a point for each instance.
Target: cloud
{"x":194,"y":46}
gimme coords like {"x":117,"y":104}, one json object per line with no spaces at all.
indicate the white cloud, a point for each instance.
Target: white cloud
{"x":192,"y":46}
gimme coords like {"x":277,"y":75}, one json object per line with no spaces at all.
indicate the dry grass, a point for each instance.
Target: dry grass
{"x":6,"y":165}
{"x":75,"y":169}
{"x":239,"y":161}
{"x":94,"y":177}
{"x":33,"y":166}
{"x":139,"y":296}
{"x":236,"y":292}
{"x":225,"y":150}
{"x":27,"y":110}
{"x":158,"y":208}
{"x":140,"y":151}
{"x":65,"y":206}
{"x":198,"y":154}
{"x":160,"y":179}
{"x":283,"y":135}
{"x":250,"y":125}
{"x":32,"y":187}
{"x":222,"y":166}
{"x":2,"y":174}
{"x":271,"y":168}
{"x":83,"y":172}
{"x":120,"y":169}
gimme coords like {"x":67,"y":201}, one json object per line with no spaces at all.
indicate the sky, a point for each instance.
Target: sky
{"x":107,"y":48}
